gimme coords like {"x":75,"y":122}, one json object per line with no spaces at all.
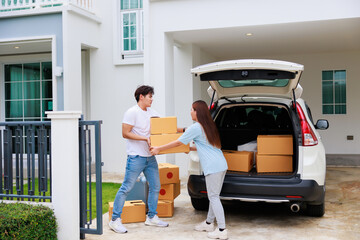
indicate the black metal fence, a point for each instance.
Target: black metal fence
{"x":25,"y":161}
{"x":90,"y":172}
{"x":25,"y":167}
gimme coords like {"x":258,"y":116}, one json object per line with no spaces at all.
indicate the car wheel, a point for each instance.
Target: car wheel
{"x":201,"y":204}
{"x":315,"y":210}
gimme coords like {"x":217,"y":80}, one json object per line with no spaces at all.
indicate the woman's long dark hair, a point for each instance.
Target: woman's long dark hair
{"x":204,"y":118}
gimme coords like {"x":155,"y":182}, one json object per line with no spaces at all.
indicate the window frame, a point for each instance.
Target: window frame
{"x":334,"y":102}
{"x":139,"y":35}
{"x":130,"y":57}
{"x":21,"y":60}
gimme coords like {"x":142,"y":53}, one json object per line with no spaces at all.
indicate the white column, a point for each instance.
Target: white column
{"x":65,"y":172}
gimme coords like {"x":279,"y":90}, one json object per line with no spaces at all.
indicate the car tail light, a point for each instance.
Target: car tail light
{"x":211,"y":107}
{"x":293,"y":196}
{"x":308,"y":136}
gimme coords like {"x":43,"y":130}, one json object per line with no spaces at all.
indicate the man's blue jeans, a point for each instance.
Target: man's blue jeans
{"x":134,"y":166}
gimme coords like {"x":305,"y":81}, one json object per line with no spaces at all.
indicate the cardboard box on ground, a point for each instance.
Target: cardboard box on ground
{"x":133,"y":211}
{"x":170,"y":189}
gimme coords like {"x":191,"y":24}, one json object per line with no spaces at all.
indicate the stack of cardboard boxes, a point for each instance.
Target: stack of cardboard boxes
{"x":170,"y":189}
{"x":163,"y":131}
{"x":274,"y":153}
{"x":135,"y":210}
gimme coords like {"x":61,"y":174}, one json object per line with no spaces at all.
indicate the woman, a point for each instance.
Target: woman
{"x":207,"y":142}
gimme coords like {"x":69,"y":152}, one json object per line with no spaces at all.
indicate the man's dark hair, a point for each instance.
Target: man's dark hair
{"x":143,"y":90}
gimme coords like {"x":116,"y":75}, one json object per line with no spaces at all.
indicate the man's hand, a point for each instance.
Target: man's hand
{"x":126,"y":132}
{"x":154,"y":150}
{"x":149,"y":142}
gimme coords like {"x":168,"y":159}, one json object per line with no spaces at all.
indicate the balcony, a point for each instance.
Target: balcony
{"x":9,"y":8}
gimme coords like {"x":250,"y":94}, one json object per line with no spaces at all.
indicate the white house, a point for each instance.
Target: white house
{"x":90,"y":55}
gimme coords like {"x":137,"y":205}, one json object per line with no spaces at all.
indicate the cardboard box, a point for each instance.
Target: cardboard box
{"x":111,"y":206}
{"x":275,"y":144}
{"x":133,"y":211}
{"x":164,"y":125}
{"x":169,"y":191}
{"x":158,"y":140}
{"x":241,"y":161}
{"x":274,"y":163}
{"x":165,"y":208}
{"x":168,"y":173}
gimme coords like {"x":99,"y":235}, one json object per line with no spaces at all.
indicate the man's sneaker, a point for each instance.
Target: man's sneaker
{"x":203,"y":226}
{"x":217,"y":234}
{"x":117,"y":226}
{"x":155,"y":221}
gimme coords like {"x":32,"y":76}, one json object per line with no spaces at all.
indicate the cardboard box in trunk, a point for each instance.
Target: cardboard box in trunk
{"x":275,"y":144}
{"x":239,"y":161}
{"x":274,"y":163}
{"x":168,"y":173}
{"x":163,"y":125}
{"x":133,"y":211}
{"x":169,"y":191}
{"x":158,"y":140}
{"x":165,"y":208}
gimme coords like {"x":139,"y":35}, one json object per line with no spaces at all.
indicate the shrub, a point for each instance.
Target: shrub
{"x":25,"y":221}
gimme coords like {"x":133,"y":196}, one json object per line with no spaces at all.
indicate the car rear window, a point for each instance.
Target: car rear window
{"x":256,"y":117}
{"x":249,"y":77}
{"x":253,"y":82}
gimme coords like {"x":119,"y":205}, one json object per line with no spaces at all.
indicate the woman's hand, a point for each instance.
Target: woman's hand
{"x":154,"y":150}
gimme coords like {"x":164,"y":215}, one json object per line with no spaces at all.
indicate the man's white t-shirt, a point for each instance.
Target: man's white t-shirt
{"x":140,"y":119}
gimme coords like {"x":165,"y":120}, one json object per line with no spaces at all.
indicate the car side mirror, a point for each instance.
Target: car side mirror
{"x":322,"y":124}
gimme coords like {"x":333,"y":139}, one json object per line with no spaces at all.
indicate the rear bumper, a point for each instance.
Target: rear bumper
{"x":261,"y":189}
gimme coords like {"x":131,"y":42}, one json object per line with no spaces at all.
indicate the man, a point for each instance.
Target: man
{"x":136,"y":131}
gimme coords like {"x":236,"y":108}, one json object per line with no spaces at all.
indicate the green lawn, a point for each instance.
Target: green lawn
{"x":109,"y":191}
{"x":25,"y":188}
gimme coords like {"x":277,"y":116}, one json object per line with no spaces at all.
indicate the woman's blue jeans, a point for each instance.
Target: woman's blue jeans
{"x":134,"y":166}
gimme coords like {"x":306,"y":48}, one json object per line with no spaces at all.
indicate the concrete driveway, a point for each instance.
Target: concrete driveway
{"x":264,"y":221}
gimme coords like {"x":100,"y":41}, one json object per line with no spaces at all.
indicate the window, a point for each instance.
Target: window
{"x":334,"y":92}
{"x":28,"y":91}
{"x":132,"y":31}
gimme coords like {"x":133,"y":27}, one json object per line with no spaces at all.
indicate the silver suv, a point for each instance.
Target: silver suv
{"x":262,"y":97}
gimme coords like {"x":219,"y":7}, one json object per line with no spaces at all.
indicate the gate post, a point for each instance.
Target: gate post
{"x":65,"y":172}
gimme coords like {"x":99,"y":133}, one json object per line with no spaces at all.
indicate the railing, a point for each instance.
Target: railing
{"x":25,"y":161}
{"x":16,"y":5}
{"x":89,"y":147}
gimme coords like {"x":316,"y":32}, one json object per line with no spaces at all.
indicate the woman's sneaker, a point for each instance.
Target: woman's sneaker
{"x":117,"y":226}
{"x":155,"y":221}
{"x":217,"y":234}
{"x":203,"y":226}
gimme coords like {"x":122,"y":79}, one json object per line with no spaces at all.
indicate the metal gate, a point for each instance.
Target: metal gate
{"x":90,"y":174}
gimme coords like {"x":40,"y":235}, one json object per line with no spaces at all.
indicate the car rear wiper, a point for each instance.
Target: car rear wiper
{"x":231,"y":101}
{"x":242,"y":98}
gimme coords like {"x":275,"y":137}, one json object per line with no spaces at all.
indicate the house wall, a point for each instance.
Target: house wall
{"x":166,"y":18}
{"x":341,"y":125}
{"x":112,"y":88}
{"x":79,"y":33}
